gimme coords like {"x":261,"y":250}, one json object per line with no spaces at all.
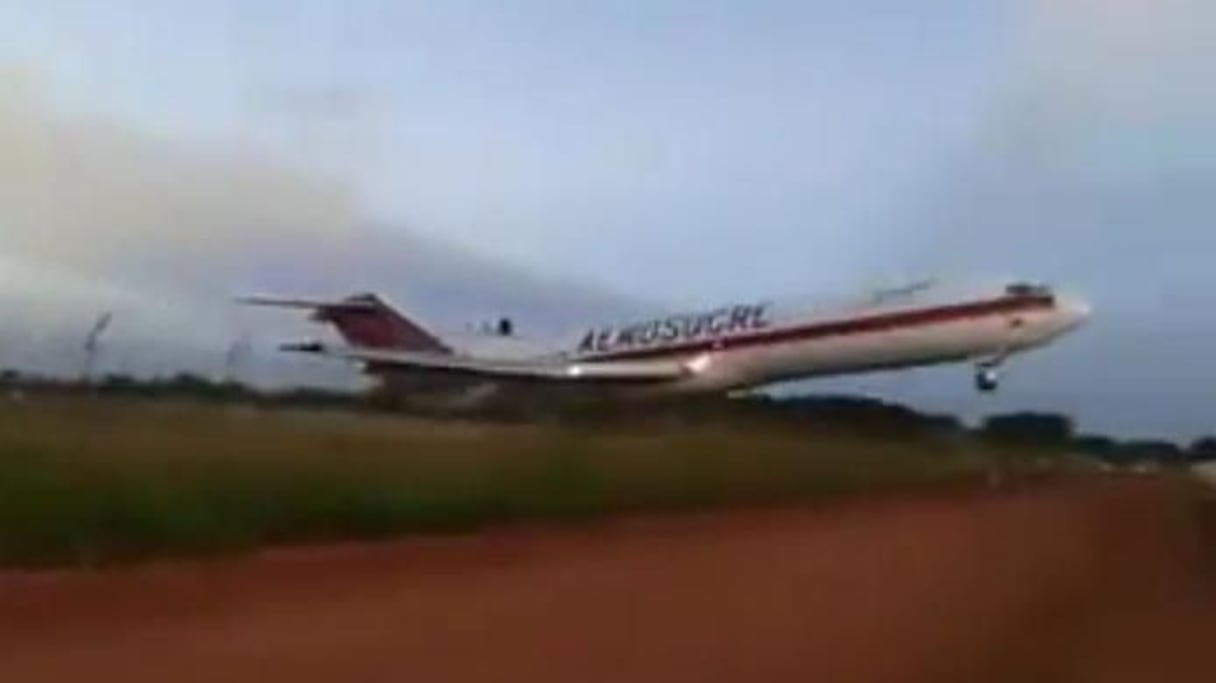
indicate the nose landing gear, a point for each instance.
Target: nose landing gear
{"x":987,"y":379}
{"x":988,"y":374}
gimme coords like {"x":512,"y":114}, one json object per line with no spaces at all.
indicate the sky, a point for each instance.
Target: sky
{"x":558,"y":159}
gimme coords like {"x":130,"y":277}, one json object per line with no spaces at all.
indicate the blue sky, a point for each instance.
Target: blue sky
{"x":562,"y":135}
{"x":664,"y":150}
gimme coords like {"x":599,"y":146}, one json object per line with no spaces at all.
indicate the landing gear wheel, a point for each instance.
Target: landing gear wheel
{"x":987,"y":380}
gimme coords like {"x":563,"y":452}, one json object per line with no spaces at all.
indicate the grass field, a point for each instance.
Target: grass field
{"x":96,"y":482}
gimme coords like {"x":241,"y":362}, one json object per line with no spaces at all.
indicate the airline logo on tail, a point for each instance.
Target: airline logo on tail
{"x":366,"y":320}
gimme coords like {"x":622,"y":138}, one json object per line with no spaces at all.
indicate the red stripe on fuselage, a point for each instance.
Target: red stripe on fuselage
{"x":885,"y":322}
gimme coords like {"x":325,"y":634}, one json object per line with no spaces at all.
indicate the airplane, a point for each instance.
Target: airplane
{"x":723,"y":349}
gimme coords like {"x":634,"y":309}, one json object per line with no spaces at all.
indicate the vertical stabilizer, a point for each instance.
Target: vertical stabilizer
{"x":366,"y":321}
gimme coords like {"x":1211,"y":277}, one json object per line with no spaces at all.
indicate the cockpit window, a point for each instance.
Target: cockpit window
{"x":1027,"y":289}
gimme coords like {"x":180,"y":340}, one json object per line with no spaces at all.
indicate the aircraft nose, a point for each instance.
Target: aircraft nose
{"x":1076,"y":310}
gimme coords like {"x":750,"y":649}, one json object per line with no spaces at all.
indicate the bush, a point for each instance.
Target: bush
{"x":94,"y":482}
{"x":1202,"y":450}
{"x":1039,"y":429}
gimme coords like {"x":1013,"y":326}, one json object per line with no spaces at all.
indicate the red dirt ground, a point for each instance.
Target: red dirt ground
{"x":1094,"y":582}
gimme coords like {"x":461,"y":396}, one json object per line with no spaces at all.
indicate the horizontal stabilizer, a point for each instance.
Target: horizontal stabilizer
{"x":309,"y":304}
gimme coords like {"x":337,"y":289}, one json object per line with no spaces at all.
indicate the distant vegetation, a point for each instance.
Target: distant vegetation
{"x":832,"y":413}
{"x":101,"y":474}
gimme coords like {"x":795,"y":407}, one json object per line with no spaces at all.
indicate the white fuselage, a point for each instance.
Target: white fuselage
{"x":738,"y":346}
{"x":755,"y":344}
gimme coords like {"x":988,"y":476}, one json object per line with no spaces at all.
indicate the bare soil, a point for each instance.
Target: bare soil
{"x":1107,"y":581}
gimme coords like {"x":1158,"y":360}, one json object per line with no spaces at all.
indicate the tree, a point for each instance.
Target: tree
{"x":1202,"y":450}
{"x":1040,"y":429}
{"x":1149,"y":451}
{"x":1096,"y":444}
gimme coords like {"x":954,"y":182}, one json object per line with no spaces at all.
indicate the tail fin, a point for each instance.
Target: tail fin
{"x":366,"y":321}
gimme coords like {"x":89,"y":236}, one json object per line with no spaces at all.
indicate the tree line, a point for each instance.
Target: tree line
{"x":1048,"y":432}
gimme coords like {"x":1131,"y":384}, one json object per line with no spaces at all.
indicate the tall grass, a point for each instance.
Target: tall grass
{"x":87,"y":483}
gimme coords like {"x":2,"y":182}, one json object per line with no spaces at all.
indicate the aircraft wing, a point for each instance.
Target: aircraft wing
{"x":555,"y":370}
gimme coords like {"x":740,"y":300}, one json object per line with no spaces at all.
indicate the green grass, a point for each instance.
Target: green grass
{"x":93,"y":483}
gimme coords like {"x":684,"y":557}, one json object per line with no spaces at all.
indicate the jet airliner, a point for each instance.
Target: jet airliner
{"x":728,"y":348}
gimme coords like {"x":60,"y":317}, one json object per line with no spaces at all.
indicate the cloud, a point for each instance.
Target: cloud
{"x":100,"y":216}
{"x":1099,"y":150}
{"x":1125,"y":82}
{"x":1117,"y":41}
{"x":1094,"y":169}
{"x":98,"y":198}
{"x":97,"y":216}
